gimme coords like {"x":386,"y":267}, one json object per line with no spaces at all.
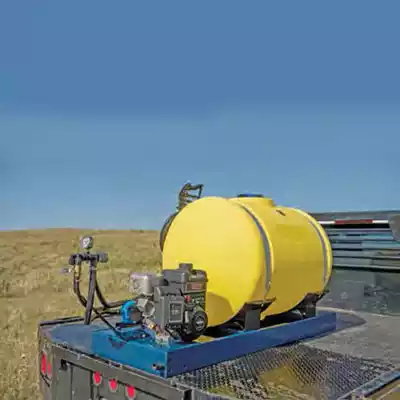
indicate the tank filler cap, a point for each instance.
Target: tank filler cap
{"x":250,"y":195}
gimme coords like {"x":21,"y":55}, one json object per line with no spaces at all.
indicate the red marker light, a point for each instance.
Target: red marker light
{"x":130,"y":392}
{"x":97,"y":378}
{"x":43,"y":364}
{"x":113,"y":385}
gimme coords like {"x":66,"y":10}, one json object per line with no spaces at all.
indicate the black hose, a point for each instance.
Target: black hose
{"x":76,"y":285}
{"x":91,"y":293}
{"x":77,"y":290}
{"x":165,"y":229}
{"x":89,"y":302}
{"x":104,"y":302}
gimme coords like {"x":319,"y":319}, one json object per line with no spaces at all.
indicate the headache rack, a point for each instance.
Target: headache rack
{"x":366,"y":240}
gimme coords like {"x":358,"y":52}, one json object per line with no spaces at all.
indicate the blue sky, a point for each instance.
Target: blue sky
{"x":107,"y":108}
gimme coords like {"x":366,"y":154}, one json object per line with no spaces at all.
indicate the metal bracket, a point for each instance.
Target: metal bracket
{"x":250,"y":315}
{"x":308,"y":307}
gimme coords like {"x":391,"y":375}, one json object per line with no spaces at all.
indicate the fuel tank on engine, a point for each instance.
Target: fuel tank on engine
{"x":252,"y":250}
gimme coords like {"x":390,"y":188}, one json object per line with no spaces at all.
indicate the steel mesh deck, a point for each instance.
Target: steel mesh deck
{"x":292,"y":372}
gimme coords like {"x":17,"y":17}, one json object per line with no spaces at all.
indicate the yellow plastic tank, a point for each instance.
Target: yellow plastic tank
{"x":252,"y":250}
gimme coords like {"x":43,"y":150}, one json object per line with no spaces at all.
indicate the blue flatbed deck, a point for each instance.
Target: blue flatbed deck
{"x":177,"y":358}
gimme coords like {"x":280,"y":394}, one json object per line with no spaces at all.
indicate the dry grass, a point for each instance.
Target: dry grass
{"x":32,"y":289}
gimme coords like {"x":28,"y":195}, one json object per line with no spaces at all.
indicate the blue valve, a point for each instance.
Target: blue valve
{"x":127,"y":310}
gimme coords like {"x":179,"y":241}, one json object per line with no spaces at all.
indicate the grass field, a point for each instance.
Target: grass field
{"x":32,"y":289}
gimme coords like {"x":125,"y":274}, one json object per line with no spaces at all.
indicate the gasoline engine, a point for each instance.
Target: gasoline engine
{"x":172,"y":303}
